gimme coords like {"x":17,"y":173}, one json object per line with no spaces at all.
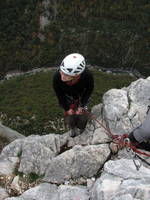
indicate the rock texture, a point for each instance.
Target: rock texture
{"x":9,"y":134}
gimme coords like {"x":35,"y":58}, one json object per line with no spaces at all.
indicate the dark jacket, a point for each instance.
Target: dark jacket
{"x":142,"y":132}
{"x":67,"y":94}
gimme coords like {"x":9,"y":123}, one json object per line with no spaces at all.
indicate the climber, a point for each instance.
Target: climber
{"x":139,"y":137}
{"x":73,"y":84}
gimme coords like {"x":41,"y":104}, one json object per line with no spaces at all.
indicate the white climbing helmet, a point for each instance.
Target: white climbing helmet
{"x":73,"y":64}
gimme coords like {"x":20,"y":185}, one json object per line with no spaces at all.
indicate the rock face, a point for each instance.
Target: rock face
{"x":77,"y":162}
{"x":120,"y":180}
{"x":126,"y":108}
{"x":82,"y":168}
{"x":9,"y":134}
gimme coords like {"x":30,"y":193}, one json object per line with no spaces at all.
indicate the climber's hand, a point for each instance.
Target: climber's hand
{"x":70,"y":112}
{"x":79,"y":111}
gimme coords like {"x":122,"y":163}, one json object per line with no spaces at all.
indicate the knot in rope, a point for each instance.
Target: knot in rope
{"x":121,"y":140}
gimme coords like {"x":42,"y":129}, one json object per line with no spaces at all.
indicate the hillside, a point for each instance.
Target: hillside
{"x":108,"y":33}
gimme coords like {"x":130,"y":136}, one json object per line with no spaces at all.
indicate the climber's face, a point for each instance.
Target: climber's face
{"x":66,"y":77}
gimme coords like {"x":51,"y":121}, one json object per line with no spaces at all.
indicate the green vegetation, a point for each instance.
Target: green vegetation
{"x":28,"y":103}
{"x":32,"y":177}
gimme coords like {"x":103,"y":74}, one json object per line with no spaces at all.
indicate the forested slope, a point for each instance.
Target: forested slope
{"x":39,"y":33}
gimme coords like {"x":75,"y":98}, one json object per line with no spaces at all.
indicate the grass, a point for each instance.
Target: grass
{"x":28,"y":103}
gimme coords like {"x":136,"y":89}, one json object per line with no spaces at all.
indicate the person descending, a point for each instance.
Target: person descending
{"x":139,"y":137}
{"x":73,"y":84}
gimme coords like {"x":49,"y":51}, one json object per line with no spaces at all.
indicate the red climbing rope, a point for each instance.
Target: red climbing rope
{"x":120,"y":140}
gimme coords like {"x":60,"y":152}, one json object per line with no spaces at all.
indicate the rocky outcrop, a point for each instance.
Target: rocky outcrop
{"x":83,"y":168}
{"x":120,"y":180}
{"x":125,"y":109}
{"x":9,"y":134}
{"x":77,"y":162}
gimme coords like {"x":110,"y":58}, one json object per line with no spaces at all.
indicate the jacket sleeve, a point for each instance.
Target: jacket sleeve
{"x":89,"y":86}
{"x":142,"y":133}
{"x":57,"y":86}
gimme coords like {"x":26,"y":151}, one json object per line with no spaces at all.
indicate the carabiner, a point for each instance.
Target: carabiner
{"x":137,"y":164}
